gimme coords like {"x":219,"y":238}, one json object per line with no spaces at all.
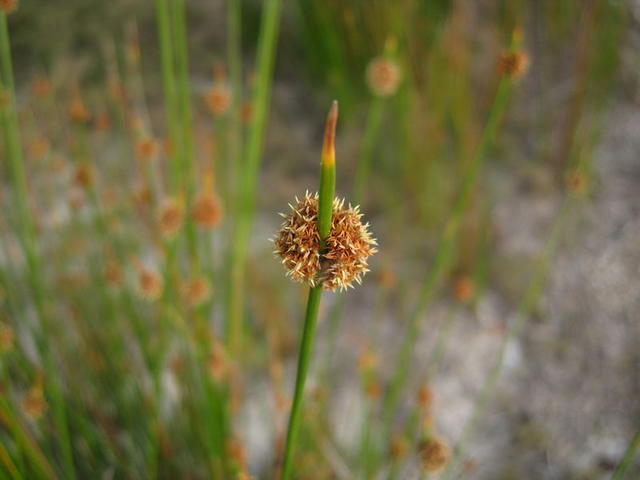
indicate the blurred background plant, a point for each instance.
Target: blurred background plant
{"x":146,"y":329}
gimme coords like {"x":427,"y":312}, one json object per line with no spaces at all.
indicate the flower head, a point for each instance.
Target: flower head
{"x":8,"y":6}
{"x":347,"y":248}
{"x":383,"y":76}
{"x":514,"y":64}
{"x":434,"y":454}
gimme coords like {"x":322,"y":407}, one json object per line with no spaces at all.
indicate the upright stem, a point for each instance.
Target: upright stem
{"x":628,"y":458}
{"x":325,"y":210}
{"x":18,"y":177}
{"x":248,"y":181}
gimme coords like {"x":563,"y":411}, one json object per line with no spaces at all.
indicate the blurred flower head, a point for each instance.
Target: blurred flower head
{"x":383,"y":76}
{"x":434,"y":454}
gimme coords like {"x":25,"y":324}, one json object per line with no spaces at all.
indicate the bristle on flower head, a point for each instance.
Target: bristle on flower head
{"x":348,"y":246}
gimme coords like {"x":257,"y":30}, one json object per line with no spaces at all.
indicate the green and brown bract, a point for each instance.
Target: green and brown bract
{"x":347,"y":249}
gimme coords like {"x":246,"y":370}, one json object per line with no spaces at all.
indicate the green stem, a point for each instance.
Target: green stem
{"x":16,"y":164}
{"x":533,"y":292}
{"x":246,"y":199}
{"x":310,"y":320}
{"x":445,"y":250}
{"x":628,"y":458}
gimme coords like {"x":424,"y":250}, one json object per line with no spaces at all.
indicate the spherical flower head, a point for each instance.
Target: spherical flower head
{"x":8,"y":6}
{"x":218,"y":99}
{"x":7,"y":337}
{"x":78,"y":111}
{"x":206,"y":210}
{"x":170,"y":218}
{"x":383,"y":76}
{"x":197,"y":291}
{"x":347,"y":248}
{"x":514,"y":64}
{"x":150,"y":284}
{"x":146,"y":149}
{"x":434,"y":454}
{"x":83,"y":176}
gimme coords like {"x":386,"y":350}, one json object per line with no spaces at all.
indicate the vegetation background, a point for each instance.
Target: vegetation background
{"x":146,"y":328}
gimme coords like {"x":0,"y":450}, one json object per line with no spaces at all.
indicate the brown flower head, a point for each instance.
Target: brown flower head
{"x":206,"y":210}
{"x":197,"y":291}
{"x":434,"y":454}
{"x":514,"y":64}
{"x":8,"y":6}
{"x":33,"y":403}
{"x":146,"y":149}
{"x":83,"y":176}
{"x":218,"y":99}
{"x":150,"y":284}
{"x":7,"y":337}
{"x":170,"y":218}
{"x":78,"y":111}
{"x":398,"y":447}
{"x":348,"y":246}
{"x":42,"y":86}
{"x":383,"y":76}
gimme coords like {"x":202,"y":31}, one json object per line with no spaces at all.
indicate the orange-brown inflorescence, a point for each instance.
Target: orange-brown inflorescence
{"x":347,"y":248}
{"x":7,"y":337}
{"x":8,"y":6}
{"x":434,"y":454}
{"x":42,"y":87}
{"x":150,"y":284}
{"x":383,"y":76}
{"x":146,"y":149}
{"x":78,"y":111}
{"x":206,"y":210}
{"x":514,"y":64}
{"x":83,"y":176}
{"x":197,"y":291}
{"x":170,"y":218}
{"x":218,"y":99}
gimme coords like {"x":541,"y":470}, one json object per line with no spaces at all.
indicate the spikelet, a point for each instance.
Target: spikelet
{"x":348,"y":246}
{"x":383,"y":76}
{"x":434,"y":454}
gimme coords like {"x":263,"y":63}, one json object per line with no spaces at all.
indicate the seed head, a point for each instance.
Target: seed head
{"x":347,"y":249}
{"x":170,"y":218}
{"x":434,"y":454}
{"x":514,"y":64}
{"x":113,"y":273}
{"x":383,"y":76}
{"x":424,"y":398}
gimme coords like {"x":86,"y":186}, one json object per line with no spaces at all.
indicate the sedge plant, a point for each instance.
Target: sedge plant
{"x":325,"y":245}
